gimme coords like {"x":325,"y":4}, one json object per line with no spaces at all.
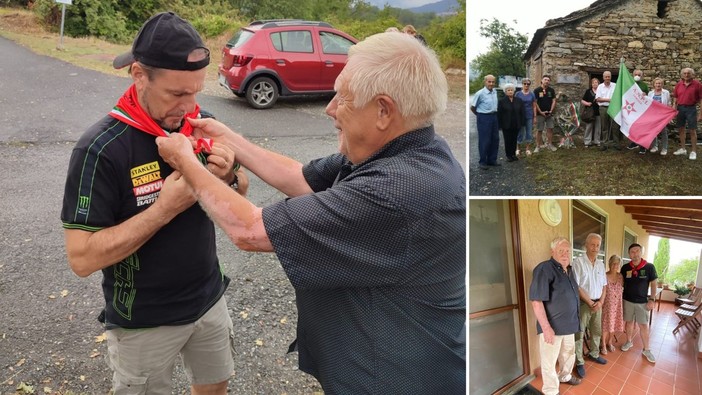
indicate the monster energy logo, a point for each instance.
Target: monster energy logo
{"x":83,"y":201}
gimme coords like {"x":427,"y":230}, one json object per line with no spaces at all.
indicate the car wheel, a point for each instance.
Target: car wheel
{"x":262,"y":93}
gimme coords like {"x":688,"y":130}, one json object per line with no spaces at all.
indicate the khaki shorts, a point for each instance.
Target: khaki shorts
{"x":541,"y":120}
{"x":143,"y":359}
{"x":635,"y":311}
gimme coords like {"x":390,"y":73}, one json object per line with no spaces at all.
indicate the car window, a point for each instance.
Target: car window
{"x":292,"y":41}
{"x":334,"y":44}
{"x":239,"y":38}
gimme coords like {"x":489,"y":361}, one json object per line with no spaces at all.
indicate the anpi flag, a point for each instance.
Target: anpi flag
{"x":640,"y":117}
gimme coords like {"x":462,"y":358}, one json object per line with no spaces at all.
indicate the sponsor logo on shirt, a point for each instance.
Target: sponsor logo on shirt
{"x":147,"y":182}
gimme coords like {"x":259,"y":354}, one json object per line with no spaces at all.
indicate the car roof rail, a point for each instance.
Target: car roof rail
{"x":269,"y":23}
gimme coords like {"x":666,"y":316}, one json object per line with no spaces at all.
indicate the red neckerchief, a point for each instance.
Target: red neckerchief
{"x":635,"y":270}
{"x":129,"y":111}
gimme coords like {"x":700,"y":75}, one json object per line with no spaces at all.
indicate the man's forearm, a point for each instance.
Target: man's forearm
{"x":281,"y":172}
{"x":540,"y":313}
{"x":89,"y":252}
{"x":240,"y":219}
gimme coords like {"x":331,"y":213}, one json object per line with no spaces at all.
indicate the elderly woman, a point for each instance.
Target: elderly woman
{"x":510,"y":118}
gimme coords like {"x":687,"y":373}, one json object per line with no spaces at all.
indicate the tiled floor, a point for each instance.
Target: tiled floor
{"x":677,"y":370}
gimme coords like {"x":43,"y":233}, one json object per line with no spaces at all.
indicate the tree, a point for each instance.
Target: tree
{"x":684,"y":272}
{"x":661,"y":259}
{"x":507,"y":48}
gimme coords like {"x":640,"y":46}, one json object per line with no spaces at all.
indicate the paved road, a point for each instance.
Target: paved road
{"x":510,"y":179}
{"x":47,"y":314}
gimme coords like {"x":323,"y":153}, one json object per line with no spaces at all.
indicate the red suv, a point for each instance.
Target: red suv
{"x":273,"y":58}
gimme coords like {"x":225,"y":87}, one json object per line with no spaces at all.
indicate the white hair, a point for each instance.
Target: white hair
{"x":508,"y":86}
{"x":399,"y":66}
{"x":557,"y":241}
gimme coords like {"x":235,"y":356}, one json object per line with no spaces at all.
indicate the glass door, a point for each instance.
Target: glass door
{"x":498,"y":353}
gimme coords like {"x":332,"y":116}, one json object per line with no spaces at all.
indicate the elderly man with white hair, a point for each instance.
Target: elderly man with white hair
{"x":372,"y":238}
{"x":687,"y":94}
{"x":554,"y":298}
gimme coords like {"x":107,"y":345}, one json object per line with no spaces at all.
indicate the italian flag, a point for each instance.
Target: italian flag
{"x":640,"y":117}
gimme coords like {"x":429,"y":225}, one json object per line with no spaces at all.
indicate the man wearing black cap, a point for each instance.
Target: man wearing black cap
{"x":128,"y":213}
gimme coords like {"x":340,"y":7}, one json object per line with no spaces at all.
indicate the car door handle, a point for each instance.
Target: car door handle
{"x":280,"y":61}
{"x":329,"y":63}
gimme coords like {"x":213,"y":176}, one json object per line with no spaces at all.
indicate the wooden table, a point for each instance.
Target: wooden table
{"x":659,"y":292}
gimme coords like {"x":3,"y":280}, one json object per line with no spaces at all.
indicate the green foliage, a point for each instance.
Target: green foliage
{"x":681,"y":290}
{"x":118,"y":20}
{"x":14,"y":3}
{"x":447,"y":36}
{"x":507,"y":49}
{"x":684,"y":272}
{"x":661,"y":259}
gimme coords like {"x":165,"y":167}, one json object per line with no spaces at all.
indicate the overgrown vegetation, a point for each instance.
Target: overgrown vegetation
{"x":661,"y":260}
{"x":117,"y":21}
{"x":684,"y":272}
{"x":507,"y":48}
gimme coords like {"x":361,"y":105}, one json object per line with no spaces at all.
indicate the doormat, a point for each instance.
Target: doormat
{"x":528,"y":390}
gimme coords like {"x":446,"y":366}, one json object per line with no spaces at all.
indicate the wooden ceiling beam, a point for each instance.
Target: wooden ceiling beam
{"x":694,"y":204}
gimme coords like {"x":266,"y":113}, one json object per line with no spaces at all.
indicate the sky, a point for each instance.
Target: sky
{"x":679,"y":250}
{"x":530,"y":16}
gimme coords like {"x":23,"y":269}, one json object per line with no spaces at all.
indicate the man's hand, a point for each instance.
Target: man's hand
{"x":221,"y":161}
{"x":596,"y":306}
{"x":549,"y":335}
{"x":209,"y":128}
{"x":176,"y":195}
{"x":175,"y":148}
{"x":649,"y":305}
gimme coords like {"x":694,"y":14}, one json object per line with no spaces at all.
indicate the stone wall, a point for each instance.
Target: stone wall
{"x":660,"y":47}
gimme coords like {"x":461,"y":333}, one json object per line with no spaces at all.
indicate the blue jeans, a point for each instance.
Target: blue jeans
{"x":525,"y":132}
{"x":488,"y":138}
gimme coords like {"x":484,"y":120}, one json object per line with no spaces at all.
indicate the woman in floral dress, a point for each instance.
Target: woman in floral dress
{"x":612,"y":312}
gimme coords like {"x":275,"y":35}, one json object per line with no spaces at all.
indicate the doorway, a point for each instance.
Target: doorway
{"x":499,"y":357}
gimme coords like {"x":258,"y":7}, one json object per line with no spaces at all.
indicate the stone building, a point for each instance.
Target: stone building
{"x":658,"y":37}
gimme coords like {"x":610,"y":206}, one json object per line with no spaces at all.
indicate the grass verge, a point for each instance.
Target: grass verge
{"x":591,"y":172}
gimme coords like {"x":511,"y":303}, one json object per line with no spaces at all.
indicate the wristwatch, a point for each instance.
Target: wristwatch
{"x":651,"y":299}
{"x":235,"y":182}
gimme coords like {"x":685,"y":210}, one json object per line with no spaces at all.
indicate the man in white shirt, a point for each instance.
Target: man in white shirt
{"x":591,"y":276}
{"x":610,"y":129}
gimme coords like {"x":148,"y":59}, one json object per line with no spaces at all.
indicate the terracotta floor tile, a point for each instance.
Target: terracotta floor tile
{"x":638,"y":380}
{"x":660,"y":388}
{"x":687,"y":384}
{"x":663,"y":375}
{"x":612,"y":385}
{"x":677,"y":371}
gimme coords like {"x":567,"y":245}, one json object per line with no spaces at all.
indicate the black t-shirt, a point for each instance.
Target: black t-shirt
{"x":636,"y":283}
{"x":589,"y":96}
{"x":115,"y":172}
{"x":544,"y":99}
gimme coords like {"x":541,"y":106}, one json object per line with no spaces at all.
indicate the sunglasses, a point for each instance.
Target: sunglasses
{"x":527,"y":83}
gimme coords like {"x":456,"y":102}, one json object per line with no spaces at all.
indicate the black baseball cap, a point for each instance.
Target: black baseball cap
{"x":166,"y":41}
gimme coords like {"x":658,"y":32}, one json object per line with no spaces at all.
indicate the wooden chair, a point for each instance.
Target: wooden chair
{"x":695,"y":295}
{"x":688,"y":319}
{"x":692,"y":303}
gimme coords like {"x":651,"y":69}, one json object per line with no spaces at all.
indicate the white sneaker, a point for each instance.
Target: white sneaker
{"x":680,"y":151}
{"x":693,"y":155}
{"x":516,"y":153}
{"x":654,"y":150}
{"x":537,"y":149}
{"x":649,"y":355}
{"x":551,"y":147}
{"x":664,"y":152}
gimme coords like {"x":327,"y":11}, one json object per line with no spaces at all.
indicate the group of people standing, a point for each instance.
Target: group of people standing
{"x":521,"y":109}
{"x":572,"y":299}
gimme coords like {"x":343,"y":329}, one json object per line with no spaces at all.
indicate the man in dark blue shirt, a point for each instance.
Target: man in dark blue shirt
{"x":372,"y":238}
{"x":554,"y":297}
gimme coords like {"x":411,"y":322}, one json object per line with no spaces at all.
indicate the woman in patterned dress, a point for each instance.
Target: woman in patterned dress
{"x":612,"y":312}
